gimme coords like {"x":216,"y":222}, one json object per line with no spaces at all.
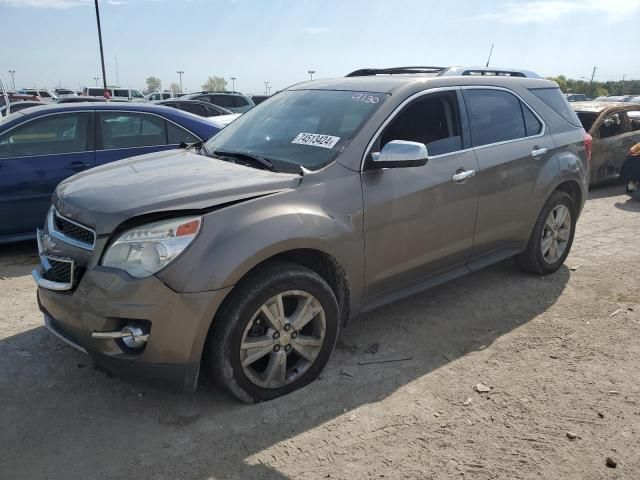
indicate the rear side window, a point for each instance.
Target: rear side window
{"x":223,"y":100}
{"x":121,"y":93}
{"x":495,"y":116}
{"x":178,"y":134}
{"x":553,"y":98}
{"x":194,"y":108}
{"x":129,"y":130}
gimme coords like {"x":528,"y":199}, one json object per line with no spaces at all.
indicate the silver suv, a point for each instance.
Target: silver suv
{"x":243,"y":256}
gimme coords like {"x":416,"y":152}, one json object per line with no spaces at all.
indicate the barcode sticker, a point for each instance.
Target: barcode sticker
{"x":316,"y":140}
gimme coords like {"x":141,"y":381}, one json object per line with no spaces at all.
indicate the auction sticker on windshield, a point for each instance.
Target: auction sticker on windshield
{"x":316,"y":139}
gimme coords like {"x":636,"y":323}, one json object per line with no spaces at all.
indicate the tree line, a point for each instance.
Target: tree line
{"x":597,"y":89}
{"x":213,"y":84}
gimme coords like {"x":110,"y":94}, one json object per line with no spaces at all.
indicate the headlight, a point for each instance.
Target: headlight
{"x":144,"y":250}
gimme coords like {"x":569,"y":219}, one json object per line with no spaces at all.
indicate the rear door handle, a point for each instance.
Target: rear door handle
{"x":78,"y":166}
{"x":538,"y":152}
{"x":462,"y":176}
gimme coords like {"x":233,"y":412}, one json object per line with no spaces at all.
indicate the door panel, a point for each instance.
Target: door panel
{"x":418,"y":222}
{"x":512,"y":148}
{"x":34,"y":158}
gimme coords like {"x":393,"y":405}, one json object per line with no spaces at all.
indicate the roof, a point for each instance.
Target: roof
{"x":415,"y":82}
{"x":597,"y":107}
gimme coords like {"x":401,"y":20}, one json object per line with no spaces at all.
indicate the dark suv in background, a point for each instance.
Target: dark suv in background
{"x":242,"y":257}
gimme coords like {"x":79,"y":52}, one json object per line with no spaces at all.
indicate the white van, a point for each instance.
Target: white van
{"x":115,"y":92}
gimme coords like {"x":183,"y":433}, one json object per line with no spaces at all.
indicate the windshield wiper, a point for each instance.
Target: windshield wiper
{"x":252,"y":157}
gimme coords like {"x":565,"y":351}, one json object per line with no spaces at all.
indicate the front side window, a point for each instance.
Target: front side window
{"x":50,"y":135}
{"x":129,"y":130}
{"x":121,"y":93}
{"x":433,"y":120}
{"x":45,"y":94}
{"x":612,"y":125}
{"x":495,"y":116}
{"x":299,"y":127}
{"x":136,"y":94}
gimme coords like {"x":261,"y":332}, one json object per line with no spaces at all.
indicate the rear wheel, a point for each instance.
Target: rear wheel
{"x":552,"y":236}
{"x":274,"y":334}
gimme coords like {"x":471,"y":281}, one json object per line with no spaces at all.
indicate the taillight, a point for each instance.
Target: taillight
{"x":588,"y":143}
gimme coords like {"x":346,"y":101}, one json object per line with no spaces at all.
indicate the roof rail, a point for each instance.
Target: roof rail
{"x":481,"y":71}
{"x":366,"y":72}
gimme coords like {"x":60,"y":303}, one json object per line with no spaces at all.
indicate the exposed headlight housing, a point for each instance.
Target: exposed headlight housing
{"x":144,"y":250}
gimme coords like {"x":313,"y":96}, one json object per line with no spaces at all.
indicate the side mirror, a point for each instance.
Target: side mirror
{"x":401,"y":153}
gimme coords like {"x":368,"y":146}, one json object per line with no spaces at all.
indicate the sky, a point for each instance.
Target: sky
{"x":52,"y":43}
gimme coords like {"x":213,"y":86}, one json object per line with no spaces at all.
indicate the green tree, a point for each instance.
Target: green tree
{"x":175,"y":88}
{"x":215,"y":84}
{"x":154,"y":84}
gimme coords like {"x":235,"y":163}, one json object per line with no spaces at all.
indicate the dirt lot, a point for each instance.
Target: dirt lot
{"x":561,"y":354}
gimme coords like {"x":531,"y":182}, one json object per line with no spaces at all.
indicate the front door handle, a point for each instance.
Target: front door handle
{"x":462,"y":176}
{"x":538,"y":152}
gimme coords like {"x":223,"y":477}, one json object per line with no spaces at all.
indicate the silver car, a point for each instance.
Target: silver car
{"x":241,"y":257}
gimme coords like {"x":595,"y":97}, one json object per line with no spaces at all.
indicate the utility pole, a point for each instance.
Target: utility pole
{"x":311,"y":72}
{"x":233,"y":84}
{"x":180,"y":73}
{"x":117,"y":72}
{"x":593,"y":74}
{"x":622,"y":87}
{"x":489,"y":59}
{"x":104,"y":73}
{"x":13,"y":78}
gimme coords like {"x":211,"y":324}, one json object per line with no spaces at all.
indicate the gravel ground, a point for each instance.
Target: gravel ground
{"x":560,"y":356}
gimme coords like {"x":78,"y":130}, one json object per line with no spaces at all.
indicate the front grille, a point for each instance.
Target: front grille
{"x":74,"y":231}
{"x":60,"y":271}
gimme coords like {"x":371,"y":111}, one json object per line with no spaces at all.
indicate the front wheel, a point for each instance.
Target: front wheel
{"x":552,"y":236}
{"x":274,"y":334}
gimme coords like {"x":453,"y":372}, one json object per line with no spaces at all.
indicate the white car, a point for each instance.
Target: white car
{"x":152,"y":97}
{"x":115,"y":92}
{"x":44,"y":95}
{"x":222,"y":121}
{"x":65,"y":92}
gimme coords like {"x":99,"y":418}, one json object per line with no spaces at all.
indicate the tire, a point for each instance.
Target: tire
{"x":242,"y":319}
{"x":533,"y":259}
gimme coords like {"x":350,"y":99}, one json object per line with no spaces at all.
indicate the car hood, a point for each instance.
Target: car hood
{"x":175,"y":180}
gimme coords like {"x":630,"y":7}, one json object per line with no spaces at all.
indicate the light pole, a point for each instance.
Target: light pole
{"x":180,"y":73}
{"x":13,"y":78}
{"x":311,"y":72}
{"x":233,"y":84}
{"x":266,"y":88}
{"x":104,"y":75}
{"x":96,"y":79}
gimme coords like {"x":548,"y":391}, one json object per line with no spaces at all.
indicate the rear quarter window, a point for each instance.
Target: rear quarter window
{"x":554,"y":98}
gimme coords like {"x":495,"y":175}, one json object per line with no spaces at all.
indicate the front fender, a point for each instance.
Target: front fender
{"x":324,"y":216}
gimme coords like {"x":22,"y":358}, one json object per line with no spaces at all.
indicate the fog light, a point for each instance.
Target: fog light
{"x":133,"y":337}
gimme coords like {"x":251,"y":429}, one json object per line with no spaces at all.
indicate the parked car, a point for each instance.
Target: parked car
{"x":630,"y":171}
{"x":40,"y":147}
{"x":576,"y":97}
{"x":202,"y":109}
{"x":130,"y":94}
{"x":614,"y":131}
{"x":152,"y":97}
{"x":234,"y":101}
{"x":17,"y":106}
{"x":635,"y":99}
{"x":258,"y":99}
{"x":243,"y":261}
{"x":613,"y":98}
{"x":221,"y":121}
{"x":65,"y":92}
{"x":18,"y":97}
{"x":41,"y":94}
{"x":83,"y":98}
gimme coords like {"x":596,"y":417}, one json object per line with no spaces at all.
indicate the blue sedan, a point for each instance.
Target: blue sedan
{"x":41,"y":146}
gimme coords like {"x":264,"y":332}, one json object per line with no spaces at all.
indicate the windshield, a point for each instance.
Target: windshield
{"x":299,"y":127}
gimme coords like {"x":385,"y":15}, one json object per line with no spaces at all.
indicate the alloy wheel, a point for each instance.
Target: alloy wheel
{"x":283,"y":339}
{"x":556,"y":234}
